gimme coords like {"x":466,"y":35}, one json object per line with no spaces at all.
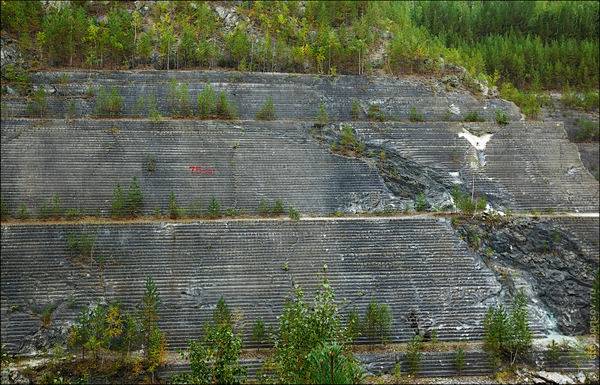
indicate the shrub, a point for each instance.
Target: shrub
{"x":353,"y":326}
{"x":465,"y":204}
{"x":258,"y":331}
{"x":584,"y":101}
{"x":304,"y":328}
{"x":501,"y":117}
{"x":420,"y":202}
{"x":459,"y":360}
{"x":109,"y":102}
{"x":348,"y":143}
{"x":267,"y":111}
{"x":207,"y":102}
{"x":415,"y":116}
{"x":224,"y":109}
{"x":38,"y":104}
{"x":355,"y":111}
{"x":214,"y":208}
{"x":4,"y":210}
{"x":174,"y":209}
{"x":529,"y":102}
{"x":118,"y":203}
{"x":135,"y":198}
{"x":52,"y":209}
{"x":329,"y":364}
{"x":322,"y":116}
{"x":81,"y":246}
{"x":18,"y":77}
{"x":374,"y":113}
{"x":294,"y":214}
{"x":278,"y":208}
{"x":263,"y":208}
{"x":22,"y":212}
{"x":474,"y":116}
{"x":153,"y":113}
{"x":507,"y":335}
{"x":179,"y":99}
{"x":377,"y":322}
{"x":588,"y":131}
{"x":414,"y":354}
{"x":73,"y":213}
{"x":214,"y":359}
{"x":153,"y":338}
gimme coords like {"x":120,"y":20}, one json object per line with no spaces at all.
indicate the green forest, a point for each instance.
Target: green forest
{"x":534,"y":46}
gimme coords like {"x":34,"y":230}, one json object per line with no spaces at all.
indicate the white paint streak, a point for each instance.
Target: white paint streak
{"x":479,"y":142}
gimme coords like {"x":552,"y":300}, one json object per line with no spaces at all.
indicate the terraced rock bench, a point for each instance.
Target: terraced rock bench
{"x":295,"y":96}
{"x":240,"y":164}
{"x":524,"y":166}
{"x":418,"y":266}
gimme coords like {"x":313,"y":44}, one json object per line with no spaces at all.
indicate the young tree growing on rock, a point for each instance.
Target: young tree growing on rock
{"x":153,"y":338}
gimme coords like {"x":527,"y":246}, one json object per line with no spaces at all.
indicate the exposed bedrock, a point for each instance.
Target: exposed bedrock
{"x":418,"y":266}
{"x":295,"y":96}
{"x":557,"y":258}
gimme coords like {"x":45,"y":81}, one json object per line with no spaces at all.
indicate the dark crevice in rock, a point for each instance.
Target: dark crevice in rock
{"x":541,"y":254}
{"x":404,"y":178}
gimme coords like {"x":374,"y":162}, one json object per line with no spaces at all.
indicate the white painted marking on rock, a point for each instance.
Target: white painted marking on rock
{"x":479,"y":142}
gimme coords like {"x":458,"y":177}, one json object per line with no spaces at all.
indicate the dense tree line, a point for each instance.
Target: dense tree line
{"x":531,"y":44}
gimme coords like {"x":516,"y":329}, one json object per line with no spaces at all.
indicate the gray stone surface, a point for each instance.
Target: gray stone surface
{"x":295,"y":96}
{"x":558,"y":257}
{"x":417,"y":266}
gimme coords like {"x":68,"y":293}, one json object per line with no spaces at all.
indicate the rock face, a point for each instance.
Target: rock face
{"x":418,"y":266}
{"x":558,"y":258}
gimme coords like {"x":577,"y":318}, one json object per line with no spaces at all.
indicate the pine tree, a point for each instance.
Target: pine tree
{"x":118,"y":203}
{"x":135,"y":198}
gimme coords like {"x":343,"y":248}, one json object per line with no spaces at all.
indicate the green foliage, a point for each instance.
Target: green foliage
{"x":135,"y":199}
{"x":4,"y":210}
{"x":459,"y":360}
{"x":52,"y":209}
{"x":178,"y":99}
{"x":108,"y":102}
{"x":529,"y":102}
{"x":377,"y":323}
{"x":587,"y":101}
{"x":224,"y":108}
{"x":420,"y":202}
{"x":414,"y":354}
{"x":355,"y":111}
{"x":353,"y":325}
{"x":214,"y":359}
{"x":174,"y":209}
{"x":322,"y":116}
{"x":474,"y":116}
{"x":348,"y":143}
{"x":258,"y":331}
{"x":267,"y":111}
{"x":415,"y":116}
{"x":501,"y":117}
{"x":153,"y":338}
{"x":595,"y":307}
{"x":374,"y":113}
{"x":278,"y":208}
{"x":263,"y":208}
{"x":465,"y":204}
{"x":214,"y":208}
{"x":81,"y":245}
{"x":38,"y":104}
{"x":207,"y":102}
{"x":73,"y":213}
{"x":303,"y":328}
{"x":150,"y":163}
{"x":294,"y":214}
{"x":507,"y":335}
{"x":22,"y":212}
{"x":15,"y":76}
{"x":328,"y":363}
{"x":588,"y":131}
{"x":118,"y":207}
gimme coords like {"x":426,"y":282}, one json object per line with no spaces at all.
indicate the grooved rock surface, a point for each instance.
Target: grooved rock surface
{"x":523,"y":166}
{"x":238,"y":163}
{"x":559,"y":257}
{"x":418,"y":266}
{"x":295,"y":96}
